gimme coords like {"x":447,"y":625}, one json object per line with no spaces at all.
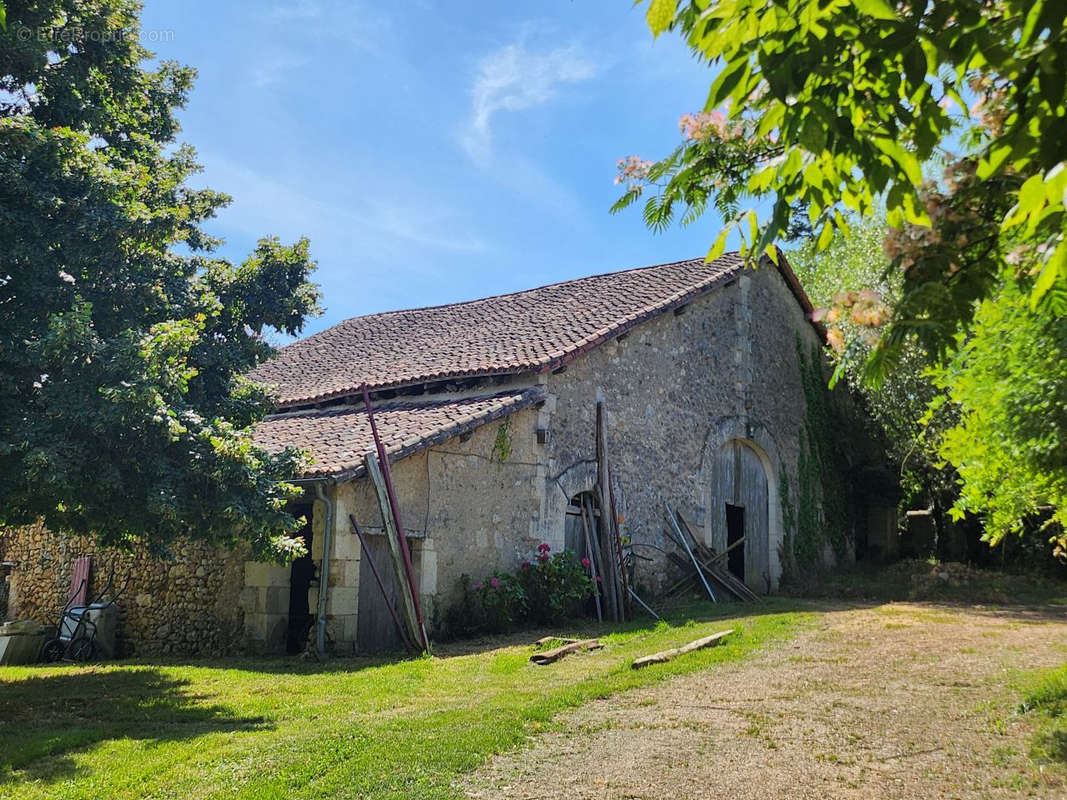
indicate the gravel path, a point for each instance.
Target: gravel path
{"x":898,"y":701}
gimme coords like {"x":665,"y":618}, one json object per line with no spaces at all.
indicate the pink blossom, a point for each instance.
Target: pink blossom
{"x":525,"y":565}
{"x":494,"y":582}
{"x":544,"y":548}
{"x":543,"y":557}
{"x":585,"y":562}
{"x":836,"y":339}
{"x":598,"y":579}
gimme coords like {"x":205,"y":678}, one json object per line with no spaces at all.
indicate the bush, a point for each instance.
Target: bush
{"x":556,"y":586}
{"x":548,"y":589}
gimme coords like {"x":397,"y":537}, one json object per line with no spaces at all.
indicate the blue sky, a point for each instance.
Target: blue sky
{"x":432,"y":152}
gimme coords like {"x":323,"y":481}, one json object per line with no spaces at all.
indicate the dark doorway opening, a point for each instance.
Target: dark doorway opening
{"x":735,"y":531}
{"x":301,"y":576}
{"x":582,"y":537}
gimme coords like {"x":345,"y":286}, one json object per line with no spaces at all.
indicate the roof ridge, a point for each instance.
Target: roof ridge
{"x":515,"y":293}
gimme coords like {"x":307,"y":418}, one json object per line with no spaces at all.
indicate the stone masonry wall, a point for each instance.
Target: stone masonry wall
{"x":464,"y":509}
{"x":676,"y":388}
{"x":185,"y":605}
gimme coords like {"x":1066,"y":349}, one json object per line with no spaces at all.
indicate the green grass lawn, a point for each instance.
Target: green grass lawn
{"x":350,"y":728}
{"x":1047,"y":701}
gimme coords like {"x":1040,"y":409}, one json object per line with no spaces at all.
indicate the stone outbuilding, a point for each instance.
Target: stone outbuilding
{"x":487,"y":411}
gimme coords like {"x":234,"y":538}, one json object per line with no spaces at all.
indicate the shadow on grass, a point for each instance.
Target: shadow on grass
{"x":44,"y":719}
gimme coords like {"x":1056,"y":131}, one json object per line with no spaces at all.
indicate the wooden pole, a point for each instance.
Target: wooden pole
{"x":383,"y":461}
{"x":607,"y":545}
{"x":394,"y":548}
{"x":592,"y":560}
{"x":667,"y":655}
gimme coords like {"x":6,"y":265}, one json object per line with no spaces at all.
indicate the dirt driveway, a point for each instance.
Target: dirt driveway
{"x":897,"y":701}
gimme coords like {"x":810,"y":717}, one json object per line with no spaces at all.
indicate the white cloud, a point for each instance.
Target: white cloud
{"x":513,"y":79}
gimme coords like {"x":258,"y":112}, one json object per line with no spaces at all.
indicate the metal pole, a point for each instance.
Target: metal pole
{"x":643,"y":604}
{"x":685,"y":544}
{"x":324,"y":572}
{"x":383,"y":461}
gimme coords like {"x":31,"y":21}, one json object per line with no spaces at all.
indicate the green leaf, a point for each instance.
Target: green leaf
{"x":719,"y":247}
{"x":660,"y":15}
{"x":825,"y":236}
{"x":1055,"y":269}
{"x":725,"y":82}
{"x":879,"y":9}
{"x":993,"y":160}
{"x":3,"y":17}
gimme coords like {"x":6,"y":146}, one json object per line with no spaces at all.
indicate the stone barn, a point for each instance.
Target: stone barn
{"x":487,"y":411}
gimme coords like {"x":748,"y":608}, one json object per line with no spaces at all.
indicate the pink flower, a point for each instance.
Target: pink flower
{"x":543,"y":548}
{"x":494,"y":582}
{"x":525,"y":565}
{"x":585,"y":562}
{"x":543,"y":557}
{"x":598,"y":579}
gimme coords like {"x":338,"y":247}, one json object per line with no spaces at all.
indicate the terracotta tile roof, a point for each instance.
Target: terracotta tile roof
{"x":526,"y":331}
{"x":339,"y":437}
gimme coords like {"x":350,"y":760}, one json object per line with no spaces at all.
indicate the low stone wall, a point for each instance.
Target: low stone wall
{"x":184,"y":605}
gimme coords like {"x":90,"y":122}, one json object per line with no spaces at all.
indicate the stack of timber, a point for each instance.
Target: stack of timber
{"x":610,"y":565}
{"x":702,"y":566}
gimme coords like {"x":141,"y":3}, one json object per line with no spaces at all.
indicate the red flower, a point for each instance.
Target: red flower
{"x":543,"y":557}
{"x":585,"y":563}
{"x":598,"y":579}
{"x":494,"y":582}
{"x":525,"y":565}
{"x":544,"y":548}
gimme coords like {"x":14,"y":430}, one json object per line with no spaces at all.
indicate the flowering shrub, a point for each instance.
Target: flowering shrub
{"x":556,"y":586}
{"x":493,"y":605}
{"x":546,"y":589}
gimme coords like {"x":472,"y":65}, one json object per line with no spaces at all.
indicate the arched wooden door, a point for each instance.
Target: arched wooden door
{"x":740,"y":507}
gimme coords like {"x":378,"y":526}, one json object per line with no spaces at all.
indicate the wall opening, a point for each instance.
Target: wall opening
{"x":582,"y":512}
{"x":301,"y":576}
{"x":735,"y":532}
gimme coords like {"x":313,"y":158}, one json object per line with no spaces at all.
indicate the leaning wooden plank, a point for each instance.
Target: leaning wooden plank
{"x":555,"y":654}
{"x":736,"y":585}
{"x":688,"y":549}
{"x":406,"y":600}
{"x":549,"y":639}
{"x":725,"y":588}
{"x":593,"y":572}
{"x":667,"y":655}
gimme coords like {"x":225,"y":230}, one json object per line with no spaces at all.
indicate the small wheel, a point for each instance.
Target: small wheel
{"x":52,"y":651}
{"x":81,"y":649}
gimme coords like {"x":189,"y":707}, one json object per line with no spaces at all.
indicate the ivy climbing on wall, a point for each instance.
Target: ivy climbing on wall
{"x":821,"y":511}
{"x":502,"y":443}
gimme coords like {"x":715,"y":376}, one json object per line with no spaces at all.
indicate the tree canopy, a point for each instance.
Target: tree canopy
{"x":822,"y":112}
{"x":824,"y":107}
{"x":123,"y":338}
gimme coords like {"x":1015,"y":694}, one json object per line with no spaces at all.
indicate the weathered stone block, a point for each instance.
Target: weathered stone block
{"x":342,"y":600}
{"x":276,"y":600}
{"x":258,"y":573}
{"x":346,"y":545}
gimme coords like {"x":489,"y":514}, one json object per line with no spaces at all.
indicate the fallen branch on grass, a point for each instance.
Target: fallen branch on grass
{"x":667,"y":655}
{"x":555,"y":654}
